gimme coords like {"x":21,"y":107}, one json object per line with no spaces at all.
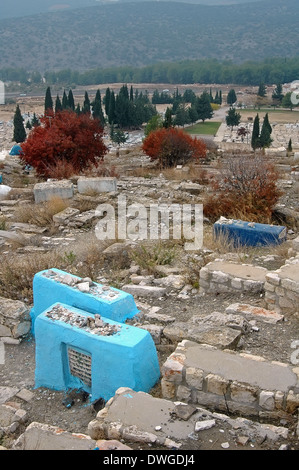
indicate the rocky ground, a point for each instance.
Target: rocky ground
{"x":175,"y":270}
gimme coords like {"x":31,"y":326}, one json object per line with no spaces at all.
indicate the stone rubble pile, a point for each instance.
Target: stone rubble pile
{"x":94,"y":325}
{"x":85,"y":285}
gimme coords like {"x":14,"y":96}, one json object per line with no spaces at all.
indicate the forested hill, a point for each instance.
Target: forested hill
{"x":18,"y":8}
{"x":144,"y":33}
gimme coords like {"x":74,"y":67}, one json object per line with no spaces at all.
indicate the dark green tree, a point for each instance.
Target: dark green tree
{"x":35,"y":121}
{"x":65,"y":101}
{"x":118,"y":137}
{"x":48,"y":101}
{"x":203,"y":107}
{"x":86,"y":104}
{"x":265,"y":136}
{"x":97,"y":108}
{"x":168,"y":122}
{"x":290,"y":146}
{"x":182,"y":116}
{"x":71,"y":101}
{"x":262,"y":91}
{"x":78,"y":109}
{"x":255,"y":141}
{"x":131,"y":94}
{"x":107,"y":101}
{"x":19,"y":134}
{"x":233,"y":118}
{"x":58,"y":105}
{"x":111,"y":112}
{"x":277,"y":94}
{"x":156,"y":122}
{"x":231,"y":97}
{"x":193,"y":116}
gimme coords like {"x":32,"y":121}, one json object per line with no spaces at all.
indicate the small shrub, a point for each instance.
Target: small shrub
{"x":148,"y":257}
{"x":245,"y":190}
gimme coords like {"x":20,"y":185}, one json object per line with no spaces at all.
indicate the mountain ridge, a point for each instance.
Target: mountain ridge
{"x":149,"y":32}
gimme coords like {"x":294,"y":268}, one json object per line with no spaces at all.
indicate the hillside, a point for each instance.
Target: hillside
{"x":19,"y":8}
{"x":148,"y":32}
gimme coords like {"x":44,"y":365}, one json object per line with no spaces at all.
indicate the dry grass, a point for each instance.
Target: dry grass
{"x":17,"y":272}
{"x":40,"y":214}
{"x":196,"y":174}
{"x":222,"y":245}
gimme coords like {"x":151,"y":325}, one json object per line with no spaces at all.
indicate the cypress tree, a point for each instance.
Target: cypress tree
{"x":255,"y":143}
{"x":111,"y":111}
{"x":86,"y":104}
{"x":48,"y":101}
{"x":168,"y":119}
{"x":71,"y":101}
{"x":107,"y":101}
{"x":65,"y":102}
{"x":131,"y":94}
{"x":35,"y":121}
{"x":19,"y":134}
{"x":290,"y":146}
{"x":265,"y":137}
{"x":231,"y":97}
{"x":97,"y":108}
{"x":262,"y":90}
{"x":58,"y":105}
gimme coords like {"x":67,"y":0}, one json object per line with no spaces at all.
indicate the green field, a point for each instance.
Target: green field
{"x":204,"y":128}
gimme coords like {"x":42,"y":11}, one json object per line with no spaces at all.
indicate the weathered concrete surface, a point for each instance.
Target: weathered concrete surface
{"x":63,"y":189}
{"x":99,"y":185}
{"x":241,"y":368}
{"x":38,"y":436}
{"x":139,"y":417}
{"x":244,"y":271}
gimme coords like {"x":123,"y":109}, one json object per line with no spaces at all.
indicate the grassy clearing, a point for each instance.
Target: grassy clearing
{"x":204,"y":128}
{"x":275,"y":115}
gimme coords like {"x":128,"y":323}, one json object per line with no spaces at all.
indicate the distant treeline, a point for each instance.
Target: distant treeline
{"x":268,"y":71}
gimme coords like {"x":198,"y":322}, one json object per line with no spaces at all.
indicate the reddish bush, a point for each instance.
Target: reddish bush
{"x":246,"y":189}
{"x":172,"y":147}
{"x":65,"y":137}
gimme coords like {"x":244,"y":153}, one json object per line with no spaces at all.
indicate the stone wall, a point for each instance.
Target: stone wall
{"x":282,"y":288}
{"x":222,"y":276}
{"x":230,"y":382}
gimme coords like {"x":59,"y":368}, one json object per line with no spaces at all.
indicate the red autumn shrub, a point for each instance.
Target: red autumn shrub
{"x":67,"y":138}
{"x":246,"y":189}
{"x":171,"y":147}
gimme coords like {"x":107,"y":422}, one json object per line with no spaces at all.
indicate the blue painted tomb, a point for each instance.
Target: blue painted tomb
{"x":76,"y":350}
{"x":241,"y":233}
{"x":53,"y":285}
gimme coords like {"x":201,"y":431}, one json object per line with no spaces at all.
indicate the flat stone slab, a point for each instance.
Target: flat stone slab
{"x":6,"y":393}
{"x":243,"y":271}
{"x":257,"y":313}
{"x":290,"y":271}
{"x":38,"y":436}
{"x":97,"y":184}
{"x":219,"y":336}
{"x":241,"y":368}
{"x":144,"y":291}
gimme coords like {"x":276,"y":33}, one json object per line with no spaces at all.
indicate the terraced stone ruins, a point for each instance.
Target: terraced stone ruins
{"x":220,"y":369}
